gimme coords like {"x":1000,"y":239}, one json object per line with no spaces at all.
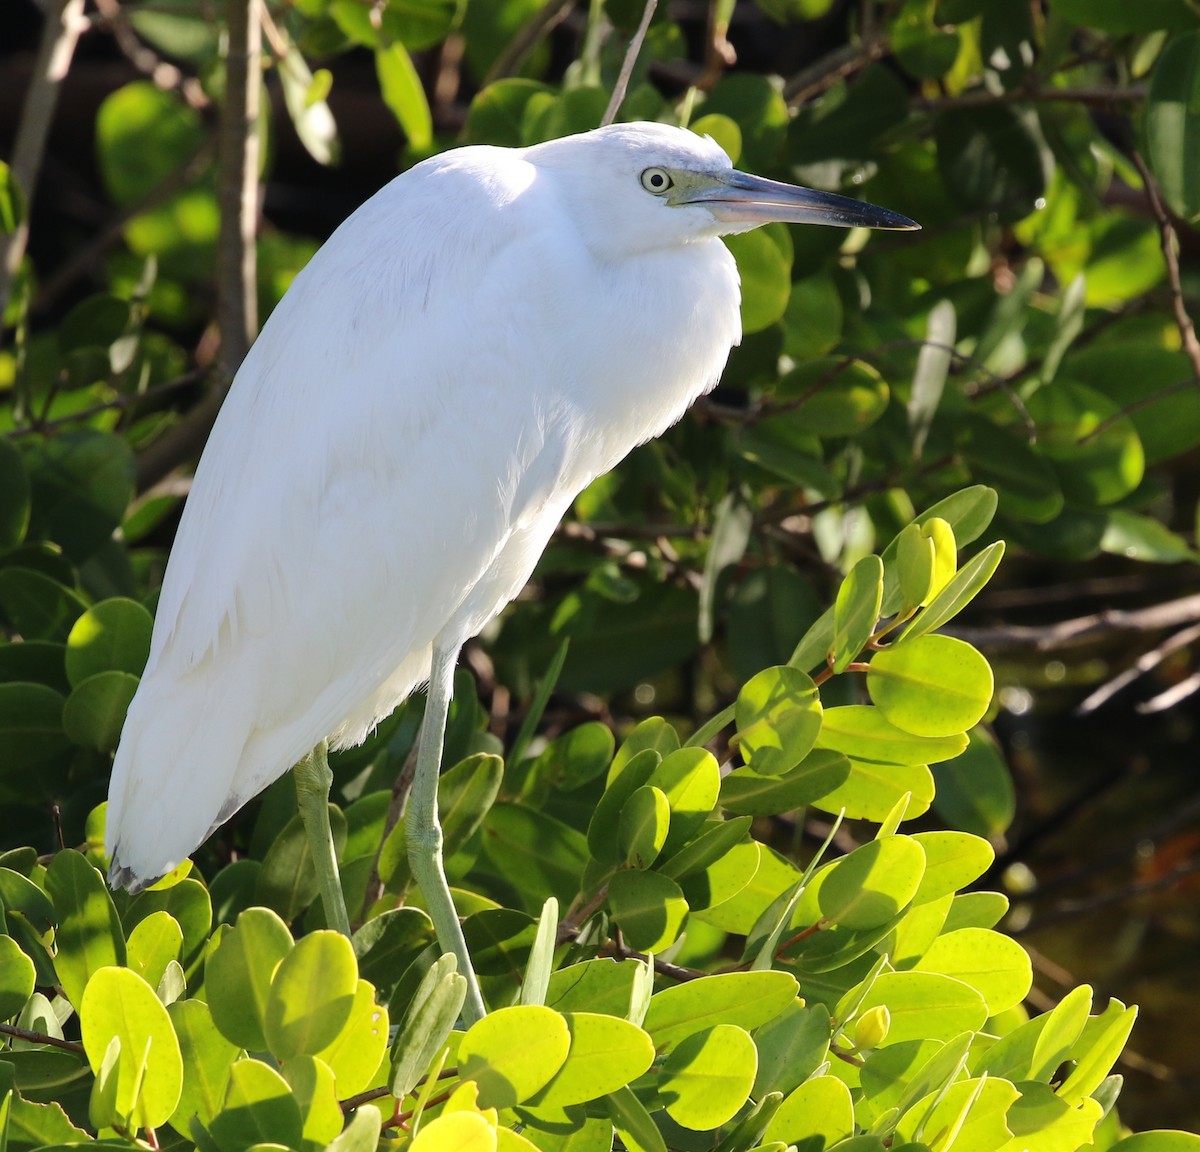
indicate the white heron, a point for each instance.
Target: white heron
{"x":473,"y":346}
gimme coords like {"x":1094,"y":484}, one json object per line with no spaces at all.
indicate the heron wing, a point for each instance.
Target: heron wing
{"x":385,"y":436}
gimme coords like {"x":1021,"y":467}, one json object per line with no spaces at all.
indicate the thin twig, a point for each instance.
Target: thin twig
{"x":835,"y":66}
{"x":513,"y":56}
{"x":164,"y":74}
{"x":41,"y":1038}
{"x":631,"y":55}
{"x":982,"y":98}
{"x":124,"y":400}
{"x":1166,"y":231}
{"x":237,"y":195}
{"x":60,"y":33}
{"x":1044,"y":637}
{"x":95,"y":249}
{"x":1144,"y":663}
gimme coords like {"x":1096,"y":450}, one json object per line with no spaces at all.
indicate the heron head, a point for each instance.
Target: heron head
{"x":645,"y":186}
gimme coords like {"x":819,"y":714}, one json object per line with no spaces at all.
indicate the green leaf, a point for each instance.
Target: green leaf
{"x":1159,"y":1140}
{"x":112,"y":636}
{"x":690,"y":779}
{"x":259,"y":1108}
{"x":1145,"y":539}
{"x":642,"y":832}
{"x":649,"y":907}
{"x":238,"y":975}
{"x":362,"y":1133}
{"x":37,"y":606}
{"x":872,"y":790}
{"x":187,"y":901}
{"x":31,"y":733}
{"x":819,"y":1113}
{"x":1026,"y":482}
{"x":856,"y":611}
{"x":1118,"y":18}
{"x":926,"y":1005}
{"x":83,"y":481}
{"x":1093,"y":446}
{"x":143,"y":135}
{"x":153,"y":944}
{"x":311,"y":996}
{"x":312,"y":1084}
{"x":975,"y":790}
{"x":746,"y":999}
{"x":89,"y":936}
{"x":924,"y":49}
{"x":933,"y":366}
{"x":931,"y":685}
{"x":421,"y":24}
{"x":1039,"y":1118}
{"x":17,"y":976}
{"x":958,"y":593}
{"x":606,"y":1053}
{"x":1036,"y":1049}
{"x":915,"y":558}
{"x":995,"y":966}
{"x":971,"y":1112}
{"x":207,"y":1059}
{"x":15,"y":489}
{"x":633,"y":1123}
{"x":766,"y":273}
{"x":404,"y":94}
{"x":707,"y":1078}
{"x":118,"y":1005}
{"x":993,"y":159}
{"x":778,"y":719}
{"x":1097,"y":1049}
{"x":967,"y":512}
{"x":870,"y":885}
{"x":832,"y":396}
{"x":513,"y":1053}
{"x":311,"y":118}
{"x":712,"y":845}
{"x":863,"y":733}
{"x":952,"y":861}
{"x":427,"y":1025}
{"x":580,"y":754}
{"x":748,"y":794}
{"x":355,"y":1054}
{"x":624,"y":780}
{"x":94,"y":713}
{"x":497,"y":112}
{"x":538,"y":854}
{"x":791,"y":1047}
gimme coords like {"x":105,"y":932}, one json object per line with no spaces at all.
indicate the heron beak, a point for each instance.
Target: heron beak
{"x":744,"y":201}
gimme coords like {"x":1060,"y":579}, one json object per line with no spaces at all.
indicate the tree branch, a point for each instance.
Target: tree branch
{"x":631,"y":55}
{"x":1166,"y":232}
{"x":237,"y":194}
{"x":60,"y":33}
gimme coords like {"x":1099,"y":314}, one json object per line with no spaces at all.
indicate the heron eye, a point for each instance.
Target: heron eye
{"x":657,"y":180}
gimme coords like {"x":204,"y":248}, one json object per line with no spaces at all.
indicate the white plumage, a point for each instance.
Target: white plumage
{"x":481,"y":339}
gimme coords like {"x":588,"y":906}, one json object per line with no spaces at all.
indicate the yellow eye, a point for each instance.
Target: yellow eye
{"x":657,"y":180}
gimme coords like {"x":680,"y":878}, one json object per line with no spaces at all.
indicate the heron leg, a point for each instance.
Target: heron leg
{"x":313,"y":779}
{"x":424,"y":833}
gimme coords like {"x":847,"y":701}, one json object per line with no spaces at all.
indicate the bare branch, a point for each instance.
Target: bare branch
{"x":60,"y":33}
{"x":237,"y":194}
{"x":1101,"y":97}
{"x":1166,"y":231}
{"x":631,"y":55}
{"x":1144,"y":664}
{"x":835,"y":66}
{"x":1042,"y":638}
{"x":543,"y":22}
